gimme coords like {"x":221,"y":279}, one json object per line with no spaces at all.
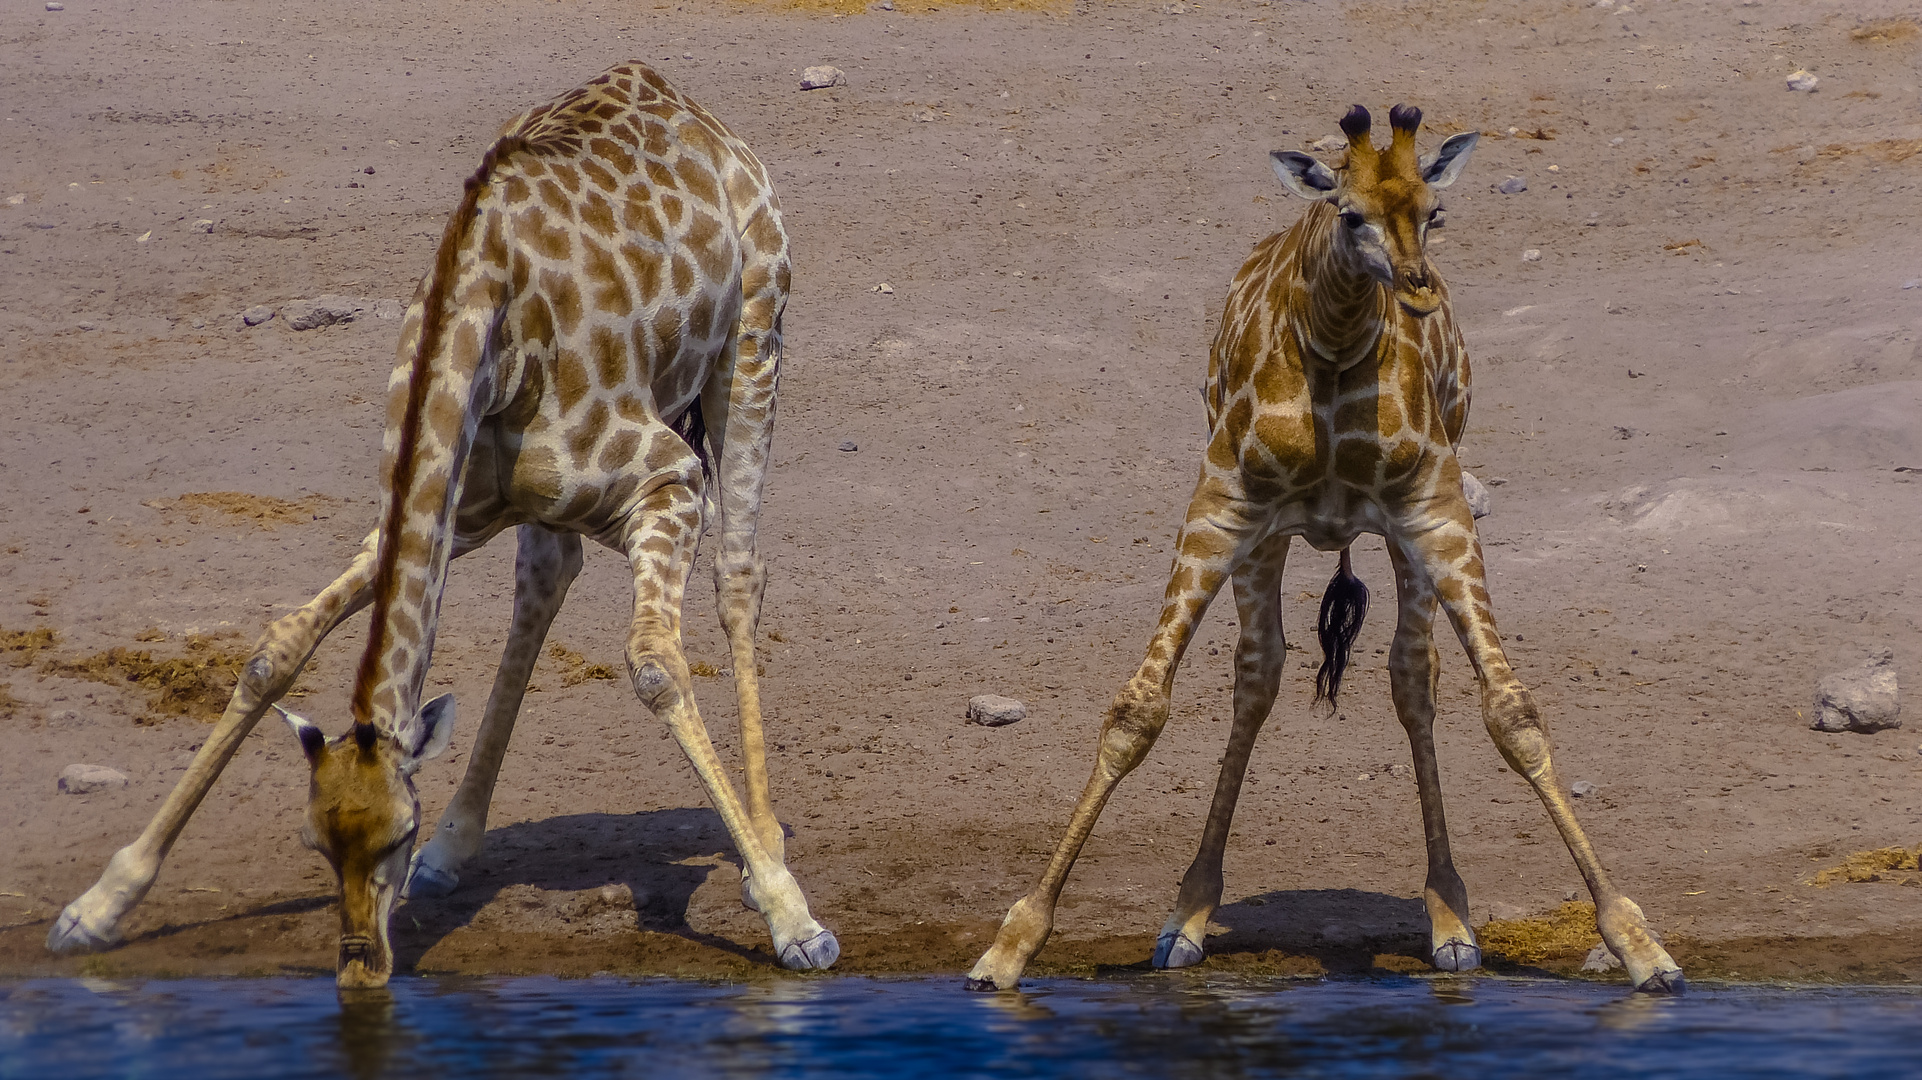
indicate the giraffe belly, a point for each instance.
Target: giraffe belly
{"x":1331,"y":521}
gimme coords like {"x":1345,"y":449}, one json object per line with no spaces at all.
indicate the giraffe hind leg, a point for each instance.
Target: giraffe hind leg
{"x":544,"y":566}
{"x":92,"y":921}
{"x":1412,"y":667}
{"x":1260,"y":655}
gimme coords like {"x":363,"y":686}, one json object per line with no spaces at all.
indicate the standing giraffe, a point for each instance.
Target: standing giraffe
{"x":1337,"y":393}
{"x":604,"y":310}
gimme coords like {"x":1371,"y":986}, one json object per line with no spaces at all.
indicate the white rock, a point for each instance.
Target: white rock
{"x":1583,"y":789}
{"x":1514,"y":185}
{"x":1328,"y":144}
{"x":16,"y":200}
{"x":993,"y":710}
{"x":1480,"y":503}
{"x":1864,"y":699}
{"x":925,"y":116}
{"x":1532,"y":255}
{"x":86,"y":779}
{"x":1600,"y":959}
{"x":1803,"y":81}
{"x":884,"y":289}
{"x":55,"y":5}
{"x":257,"y":314}
{"x":822,"y":76}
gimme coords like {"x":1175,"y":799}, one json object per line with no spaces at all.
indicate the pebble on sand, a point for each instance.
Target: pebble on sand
{"x":1803,"y":81}
{"x":848,"y":447}
{"x":1863,"y":699}
{"x":884,"y":289}
{"x":1531,"y":254}
{"x":257,"y":314}
{"x":323,"y":311}
{"x":1582,"y":789}
{"x":993,"y":710}
{"x":1600,"y":959}
{"x":1514,"y":185}
{"x":86,"y":779}
{"x":55,"y":5}
{"x":823,"y":76}
{"x":1328,"y":144}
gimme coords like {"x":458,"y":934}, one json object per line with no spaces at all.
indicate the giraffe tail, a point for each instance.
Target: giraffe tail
{"x":1343,"y":608}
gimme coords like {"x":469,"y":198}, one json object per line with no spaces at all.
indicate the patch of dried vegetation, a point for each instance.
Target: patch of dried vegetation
{"x":1882,"y":864}
{"x":1891,"y":32}
{"x":197,"y":684}
{"x":1567,"y":931}
{"x":264,"y":511}
{"x":577,"y":669}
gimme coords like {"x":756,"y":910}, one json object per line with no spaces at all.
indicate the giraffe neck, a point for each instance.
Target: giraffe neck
{"x":442,"y":382}
{"x":1337,"y":308}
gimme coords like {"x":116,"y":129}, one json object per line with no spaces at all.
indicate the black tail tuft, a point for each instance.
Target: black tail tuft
{"x":691,"y":426}
{"x":1343,"y":608}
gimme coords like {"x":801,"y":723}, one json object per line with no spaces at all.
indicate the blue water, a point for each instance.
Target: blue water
{"x":845,"y":1027}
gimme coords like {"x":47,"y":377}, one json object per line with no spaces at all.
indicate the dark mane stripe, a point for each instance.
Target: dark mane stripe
{"x":433,"y":314}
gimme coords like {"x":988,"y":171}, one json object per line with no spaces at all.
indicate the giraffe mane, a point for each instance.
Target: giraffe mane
{"x":433,"y":312}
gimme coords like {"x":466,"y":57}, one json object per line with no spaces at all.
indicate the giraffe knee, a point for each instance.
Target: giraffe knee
{"x":1516,"y":725}
{"x":1133,"y":723}
{"x":657,"y":674}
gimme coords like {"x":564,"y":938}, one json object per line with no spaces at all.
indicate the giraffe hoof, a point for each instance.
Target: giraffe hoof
{"x":980,"y":986}
{"x":1175,"y":950}
{"x":425,"y":882}
{"x":70,"y":935}
{"x":1669,"y":983}
{"x":815,"y":954}
{"x":1457,"y":956}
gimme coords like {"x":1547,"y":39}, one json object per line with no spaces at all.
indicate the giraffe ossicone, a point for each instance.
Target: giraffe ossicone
{"x":595,"y":352}
{"x":1337,"y":393}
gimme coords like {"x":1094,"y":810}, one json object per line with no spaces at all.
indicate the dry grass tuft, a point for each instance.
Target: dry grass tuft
{"x":907,"y":7}
{"x":1569,"y":930}
{"x":703,"y":669}
{"x":264,"y":511}
{"x":196,"y":685}
{"x":575,"y":668}
{"x":19,"y":647}
{"x":1882,"y":864}
{"x":1886,"y":33}
{"x":8,"y":703}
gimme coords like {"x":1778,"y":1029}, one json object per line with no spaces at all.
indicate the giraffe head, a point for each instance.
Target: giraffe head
{"x":1385,"y":198}
{"x":362,"y":814}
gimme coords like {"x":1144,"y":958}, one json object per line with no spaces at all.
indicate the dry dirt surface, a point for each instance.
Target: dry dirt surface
{"x":1698,"y":408}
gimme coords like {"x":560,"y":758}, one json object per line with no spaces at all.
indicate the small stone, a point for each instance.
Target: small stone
{"x":257,"y":314}
{"x":884,"y":5}
{"x":1600,"y":959}
{"x":144,"y":237}
{"x":884,"y":289}
{"x":55,"y":5}
{"x":16,"y":200}
{"x":1514,"y":185}
{"x":1497,"y":481}
{"x":1532,"y":255}
{"x":389,"y":309}
{"x":848,"y":447}
{"x":1328,"y":144}
{"x":1865,"y":699}
{"x":1583,"y":789}
{"x":322,"y":311}
{"x":204,"y":225}
{"x":925,"y":116}
{"x":1476,"y":492}
{"x":822,"y":77}
{"x":1916,"y":284}
{"x":992,"y":710}
{"x":1803,"y":81}
{"x":369,"y":170}
{"x":86,"y":779}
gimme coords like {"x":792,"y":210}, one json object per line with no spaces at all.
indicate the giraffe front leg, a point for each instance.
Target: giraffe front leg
{"x":544,"y":566}
{"x":660,"y":547}
{"x":1451,"y":555}
{"x":1260,"y":655}
{"x":1412,"y":668}
{"x":92,"y":922}
{"x":1217,"y":534}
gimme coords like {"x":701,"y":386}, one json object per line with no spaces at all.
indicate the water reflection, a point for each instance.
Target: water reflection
{"x":1151,"y":1025}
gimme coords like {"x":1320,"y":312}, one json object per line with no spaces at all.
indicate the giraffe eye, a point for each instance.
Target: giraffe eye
{"x":1351,"y":219}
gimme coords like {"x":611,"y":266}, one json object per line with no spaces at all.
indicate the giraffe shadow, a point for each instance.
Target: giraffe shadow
{"x":1345,"y":929}
{"x":571,"y":854}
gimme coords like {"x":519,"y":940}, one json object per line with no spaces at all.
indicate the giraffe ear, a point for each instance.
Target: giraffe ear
{"x":427,"y":733}
{"x":1302,"y":174}
{"x":312,"y":739}
{"x":1441,"y":168}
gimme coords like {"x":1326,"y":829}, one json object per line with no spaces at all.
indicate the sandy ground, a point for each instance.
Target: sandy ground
{"x":1699,"y":402}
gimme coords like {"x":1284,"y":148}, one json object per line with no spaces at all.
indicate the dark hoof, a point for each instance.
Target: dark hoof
{"x":817,"y":953}
{"x":980,"y":986}
{"x":1669,"y":983}
{"x":1176,"y":951}
{"x":1457,"y":956}
{"x":425,"y":882}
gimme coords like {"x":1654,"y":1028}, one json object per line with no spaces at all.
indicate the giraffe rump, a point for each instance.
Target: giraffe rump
{"x":1343,"y":609}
